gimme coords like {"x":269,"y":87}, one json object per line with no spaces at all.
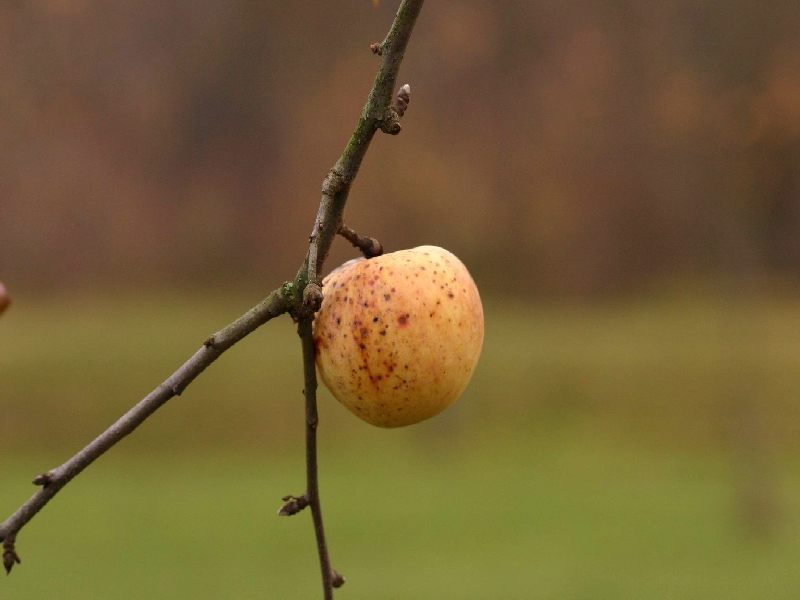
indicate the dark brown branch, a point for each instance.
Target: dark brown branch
{"x":369,"y":246}
{"x":51,"y":482}
{"x":378,"y":113}
{"x":305,"y":330}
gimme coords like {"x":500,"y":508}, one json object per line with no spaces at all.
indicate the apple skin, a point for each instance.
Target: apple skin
{"x":398,"y":336}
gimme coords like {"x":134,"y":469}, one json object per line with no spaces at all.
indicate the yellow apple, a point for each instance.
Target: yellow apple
{"x":398,"y":336}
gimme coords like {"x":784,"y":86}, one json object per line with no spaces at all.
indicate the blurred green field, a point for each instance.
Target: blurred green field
{"x":599,"y":453}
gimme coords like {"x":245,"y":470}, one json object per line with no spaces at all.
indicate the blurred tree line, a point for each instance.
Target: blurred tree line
{"x":561,"y":148}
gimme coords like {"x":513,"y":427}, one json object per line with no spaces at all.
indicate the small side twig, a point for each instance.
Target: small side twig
{"x":292,"y":505}
{"x":369,"y":246}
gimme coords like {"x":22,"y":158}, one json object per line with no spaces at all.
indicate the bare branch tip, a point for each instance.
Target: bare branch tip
{"x":369,"y":246}
{"x":375,"y":248}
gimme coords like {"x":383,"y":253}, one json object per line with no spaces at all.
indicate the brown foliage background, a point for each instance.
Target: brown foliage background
{"x":562,"y":148}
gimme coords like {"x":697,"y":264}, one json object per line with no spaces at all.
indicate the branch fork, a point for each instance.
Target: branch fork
{"x":301,"y":298}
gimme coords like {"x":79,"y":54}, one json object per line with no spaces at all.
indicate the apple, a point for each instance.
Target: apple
{"x":398,"y":336}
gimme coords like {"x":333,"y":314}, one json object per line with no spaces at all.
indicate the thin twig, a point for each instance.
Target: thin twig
{"x":378,"y":113}
{"x":369,"y":246}
{"x":51,"y":482}
{"x":304,"y":329}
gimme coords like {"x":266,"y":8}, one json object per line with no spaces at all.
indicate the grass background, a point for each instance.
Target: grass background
{"x":597,"y":454}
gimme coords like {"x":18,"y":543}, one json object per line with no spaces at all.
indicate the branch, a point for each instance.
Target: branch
{"x":305,"y":330}
{"x":51,"y":482}
{"x":369,"y":246}
{"x":301,"y":298}
{"x":377,"y":114}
